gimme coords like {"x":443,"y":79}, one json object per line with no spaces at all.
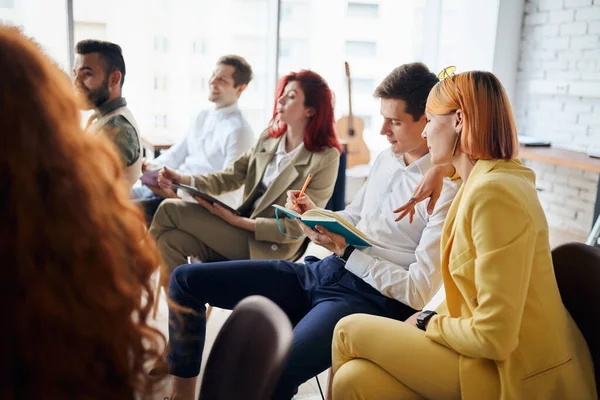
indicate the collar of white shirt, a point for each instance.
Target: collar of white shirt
{"x":281,"y":148}
{"x":224,"y":112}
{"x":423,"y":164}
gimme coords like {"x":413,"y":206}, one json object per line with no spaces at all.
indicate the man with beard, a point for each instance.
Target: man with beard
{"x":99,"y":73}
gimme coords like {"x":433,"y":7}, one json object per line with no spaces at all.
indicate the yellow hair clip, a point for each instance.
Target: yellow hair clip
{"x":447,"y":72}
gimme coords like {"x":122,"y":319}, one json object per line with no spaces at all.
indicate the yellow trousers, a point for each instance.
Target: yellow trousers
{"x":380,"y":358}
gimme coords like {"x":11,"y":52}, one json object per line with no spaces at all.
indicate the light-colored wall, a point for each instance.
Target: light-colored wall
{"x":558,"y":98}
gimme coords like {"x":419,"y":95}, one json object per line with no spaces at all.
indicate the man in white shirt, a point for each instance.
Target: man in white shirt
{"x":395,"y":277}
{"x":215,"y":138}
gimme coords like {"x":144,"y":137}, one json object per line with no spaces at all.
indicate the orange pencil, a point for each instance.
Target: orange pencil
{"x":308,"y":178}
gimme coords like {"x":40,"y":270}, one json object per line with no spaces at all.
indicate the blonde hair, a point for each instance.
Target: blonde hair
{"x":489,"y":130}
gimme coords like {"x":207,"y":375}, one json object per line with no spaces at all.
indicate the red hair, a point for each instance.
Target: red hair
{"x":77,"y":256}
{"x":320,"y":130}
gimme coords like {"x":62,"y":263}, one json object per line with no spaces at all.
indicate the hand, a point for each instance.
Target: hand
{"x":223,"y":213}
{"x":167,"y":176}
{"x":331,"y":241}
{"x":412,"y":320}
{"x":164,"y":193}
{"x":147,"y":166}
{"x":299,"y":204}
{"x":430,"y":188}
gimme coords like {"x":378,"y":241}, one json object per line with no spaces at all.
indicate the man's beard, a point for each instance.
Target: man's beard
{"x":96,"y":97}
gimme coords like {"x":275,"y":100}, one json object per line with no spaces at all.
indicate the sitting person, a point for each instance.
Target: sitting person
{"x":215,"y":139}
{"x":503,"y":332}
{"x":76,"y":296}
{"x":395,"y":277}
{"x":300,"y":141}
{"x":99,"y":75}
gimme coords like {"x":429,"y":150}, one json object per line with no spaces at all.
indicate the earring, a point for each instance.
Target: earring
{"x":455,"y":144}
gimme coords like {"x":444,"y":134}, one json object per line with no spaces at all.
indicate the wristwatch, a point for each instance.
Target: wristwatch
{"x":423,"y":318}
{"x":346,"y":254}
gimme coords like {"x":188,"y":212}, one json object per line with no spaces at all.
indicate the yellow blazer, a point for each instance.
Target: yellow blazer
{"x":503,"y":312}
{"x":248,"y":170}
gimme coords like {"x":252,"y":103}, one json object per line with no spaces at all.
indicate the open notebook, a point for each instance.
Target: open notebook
{"x":331,"y":221}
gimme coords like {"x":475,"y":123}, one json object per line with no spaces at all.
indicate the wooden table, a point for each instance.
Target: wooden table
{"x":562,"y":157}
{"x":570,"y":159}
{"x":154,"y":144}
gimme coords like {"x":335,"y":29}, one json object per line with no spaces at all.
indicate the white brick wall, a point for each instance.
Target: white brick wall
{"x":558,"y":98}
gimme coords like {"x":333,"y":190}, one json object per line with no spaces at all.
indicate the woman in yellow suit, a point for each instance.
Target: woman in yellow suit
{"x":503,"y":332}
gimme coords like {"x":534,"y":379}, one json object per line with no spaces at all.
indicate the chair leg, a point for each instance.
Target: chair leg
{"x":157,"y":296}
{"x":329,"y":385}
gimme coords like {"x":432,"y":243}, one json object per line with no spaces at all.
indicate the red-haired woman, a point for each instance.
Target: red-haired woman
{"x":77,"y":260}
{"x":300,"y":141}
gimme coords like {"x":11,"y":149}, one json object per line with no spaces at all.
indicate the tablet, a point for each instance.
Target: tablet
{"x":206,"y":197}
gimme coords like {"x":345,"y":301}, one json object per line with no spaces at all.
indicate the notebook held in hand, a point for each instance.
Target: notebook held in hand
{"x":331,"y":221}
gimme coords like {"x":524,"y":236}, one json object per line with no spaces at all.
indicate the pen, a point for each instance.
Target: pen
{"x":308,"y":178}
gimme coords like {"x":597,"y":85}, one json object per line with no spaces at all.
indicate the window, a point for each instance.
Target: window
{"x":160,"y":83}
{"x":198,"y":84}
{"x":44,"y":21}
{"x":368,"y":119}
{"x":170,"y":49}
{"x":286,"y":11}
{"x":363,"y":85}
{"x":89,"y":30}
{"x":161,"y":44}
{"x":285,"y":48}
{"x":199,"y":46}
{"x":160,"y":121}
{"x":360,"y":49}
{"x":363,"y":10}
{"x":307,"y":42}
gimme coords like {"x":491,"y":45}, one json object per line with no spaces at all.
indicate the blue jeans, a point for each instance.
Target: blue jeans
{"x":314,"y":296}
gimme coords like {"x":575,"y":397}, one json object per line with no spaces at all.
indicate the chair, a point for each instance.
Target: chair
{"x":577,"y":269}
{"x":337,"y":201}
{"x":249,"y":352}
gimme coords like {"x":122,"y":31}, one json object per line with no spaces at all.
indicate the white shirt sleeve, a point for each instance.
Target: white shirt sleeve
{"x":437,"y":299}
{"x":237,"y":143}
{"x":414,"y":284}
{"x":174,"y":156}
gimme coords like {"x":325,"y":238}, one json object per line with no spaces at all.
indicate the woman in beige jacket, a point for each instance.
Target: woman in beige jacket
{"x":300,"y":141}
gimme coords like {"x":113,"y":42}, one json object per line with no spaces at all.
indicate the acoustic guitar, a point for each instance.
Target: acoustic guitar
{"x":350,"y":131}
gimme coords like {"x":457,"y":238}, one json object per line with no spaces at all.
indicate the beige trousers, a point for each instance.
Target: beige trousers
{"x":183,"y":229}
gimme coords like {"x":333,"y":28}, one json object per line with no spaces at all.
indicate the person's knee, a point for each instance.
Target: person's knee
{"x":348,"y":325}
{"x":163,"y":218}
{"x":348,"y":380}
{"x":179,"y":282}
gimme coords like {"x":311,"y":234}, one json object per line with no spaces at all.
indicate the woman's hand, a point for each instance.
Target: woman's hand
{"x":164,"y":193}
{"x":430,"y":188}
{"x":227,"y":216}
{"x":299,"y":204}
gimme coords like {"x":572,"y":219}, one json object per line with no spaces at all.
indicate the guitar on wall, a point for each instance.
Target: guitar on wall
{"x":350,"y":131}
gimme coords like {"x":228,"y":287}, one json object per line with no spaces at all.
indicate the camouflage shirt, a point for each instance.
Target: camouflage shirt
{"x":121,"y":132}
